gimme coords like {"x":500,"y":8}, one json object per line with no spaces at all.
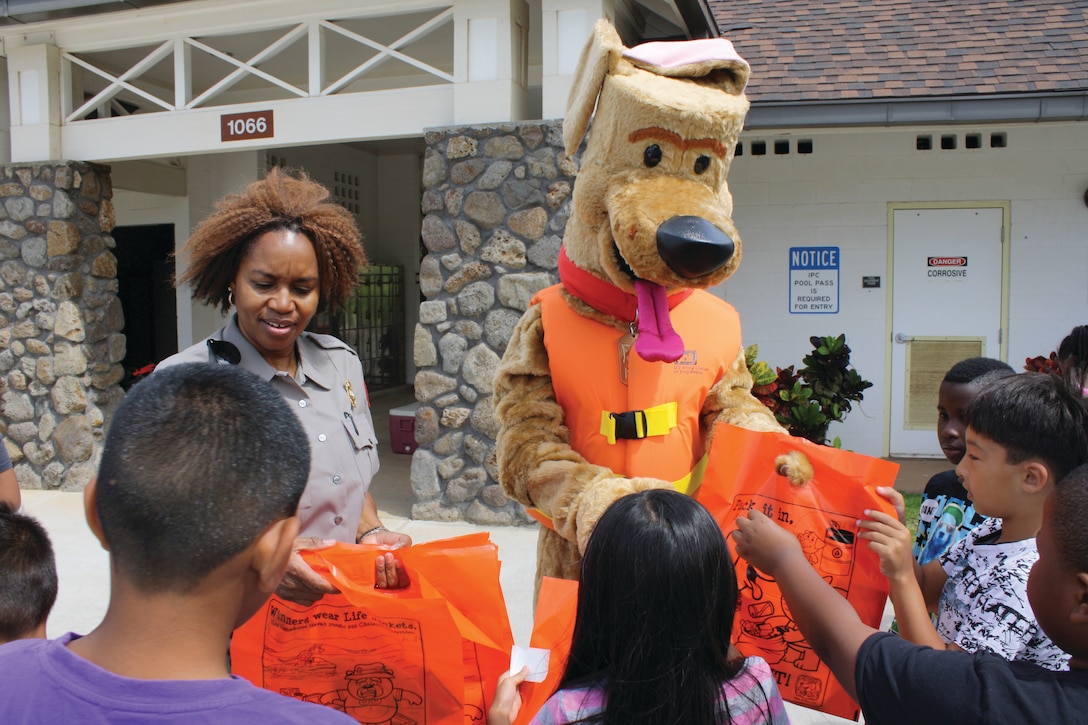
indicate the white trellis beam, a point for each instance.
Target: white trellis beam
{"x":249,"y":67}
{"x":119,"y":83}
{"x":389,"y":51}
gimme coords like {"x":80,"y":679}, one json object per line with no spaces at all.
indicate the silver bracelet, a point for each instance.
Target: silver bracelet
{"x":368,"y":532}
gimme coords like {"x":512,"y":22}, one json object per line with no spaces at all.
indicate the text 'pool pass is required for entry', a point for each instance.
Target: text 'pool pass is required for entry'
{"x":814,"y":280}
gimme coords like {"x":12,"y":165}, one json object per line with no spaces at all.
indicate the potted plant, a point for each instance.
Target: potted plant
{"x":807,"y":400}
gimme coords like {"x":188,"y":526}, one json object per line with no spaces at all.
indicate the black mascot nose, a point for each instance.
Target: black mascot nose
{"x":692,"y":246}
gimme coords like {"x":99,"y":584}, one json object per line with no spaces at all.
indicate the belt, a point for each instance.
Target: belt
{"x":637,"y":424}
{"x":686,"y":485}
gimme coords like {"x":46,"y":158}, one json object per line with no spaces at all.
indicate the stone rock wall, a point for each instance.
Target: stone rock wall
{"x":60,"y":321}
{"x":495,"y":203}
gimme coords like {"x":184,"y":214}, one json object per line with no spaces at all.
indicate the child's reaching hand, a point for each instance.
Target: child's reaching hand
{"x":891,"y":541}
{"x":507,"y":703}
{"x":763,"y":543}
{"x":896,"y":500}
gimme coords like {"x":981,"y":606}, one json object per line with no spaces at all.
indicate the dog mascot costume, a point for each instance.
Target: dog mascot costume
{"x":614,"y":379}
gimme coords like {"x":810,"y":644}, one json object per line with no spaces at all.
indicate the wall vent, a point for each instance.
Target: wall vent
{"x":950,"y":141}
{"x":779,"y":146}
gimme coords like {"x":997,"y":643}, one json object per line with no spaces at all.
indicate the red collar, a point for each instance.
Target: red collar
{"x":604,"y":296}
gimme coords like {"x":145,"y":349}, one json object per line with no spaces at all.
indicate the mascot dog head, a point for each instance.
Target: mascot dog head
{"x":651,"y":210}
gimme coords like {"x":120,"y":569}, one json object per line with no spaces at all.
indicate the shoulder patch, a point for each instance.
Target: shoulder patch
{"x":330,"y":342}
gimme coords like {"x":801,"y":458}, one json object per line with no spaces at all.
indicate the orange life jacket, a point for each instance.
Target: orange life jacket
{"x":650,"y":426}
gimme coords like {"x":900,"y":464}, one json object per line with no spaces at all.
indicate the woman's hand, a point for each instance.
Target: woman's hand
{"x":301,"y":584}
{"x":389,"y":571}
{"x":385,"y":537}
{"x":507,"y":703}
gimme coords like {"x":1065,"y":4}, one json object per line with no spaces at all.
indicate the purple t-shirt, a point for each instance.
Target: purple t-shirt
{"x":45,"y":682}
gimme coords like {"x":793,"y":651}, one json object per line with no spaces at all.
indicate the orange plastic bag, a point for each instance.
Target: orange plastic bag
{"x":553,"y":627}
{"x":430,"y":654}
{"x":741,"y":475}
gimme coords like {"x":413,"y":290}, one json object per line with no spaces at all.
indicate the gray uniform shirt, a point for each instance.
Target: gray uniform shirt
{"x":329,"y":396}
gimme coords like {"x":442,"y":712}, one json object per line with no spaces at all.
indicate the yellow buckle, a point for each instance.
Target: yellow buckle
{"x":638,"y":424}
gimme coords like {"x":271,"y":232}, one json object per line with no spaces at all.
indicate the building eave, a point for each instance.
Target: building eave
{"x":1018,"y":108}
{"x":699,"y":18}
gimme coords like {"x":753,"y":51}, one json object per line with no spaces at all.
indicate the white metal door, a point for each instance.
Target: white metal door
{"x":946,"y":306}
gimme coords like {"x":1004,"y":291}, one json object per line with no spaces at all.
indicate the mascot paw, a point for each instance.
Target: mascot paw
{"x":794,"y":466}
{"x":601,"y":495}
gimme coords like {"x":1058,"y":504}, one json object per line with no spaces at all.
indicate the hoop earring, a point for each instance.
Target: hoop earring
{"x":230,"y":296}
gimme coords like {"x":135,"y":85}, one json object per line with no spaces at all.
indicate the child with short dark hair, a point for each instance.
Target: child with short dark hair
{"x":896,"y":681}
{"x":1073,"y":357}
{"x":946,"y":514}
{"x":195,"y":501}
{"x":28,"y":576}
{"x":1024,"y":432}
{"x":651,"y":636}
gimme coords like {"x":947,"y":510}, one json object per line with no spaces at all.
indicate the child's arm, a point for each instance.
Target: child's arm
{"x":507,"y":702}
{"x":825,"y":618}
{"x":930,"y":579}
{"x":891,"y":541}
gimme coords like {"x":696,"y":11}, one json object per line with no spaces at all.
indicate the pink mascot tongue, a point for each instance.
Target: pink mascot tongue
{"x":657,"y":341}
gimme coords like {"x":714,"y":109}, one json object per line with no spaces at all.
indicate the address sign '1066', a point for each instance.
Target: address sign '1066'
{"x":244,"y":126}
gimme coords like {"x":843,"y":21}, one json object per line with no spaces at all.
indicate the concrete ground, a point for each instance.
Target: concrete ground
{"x":83,"y":567}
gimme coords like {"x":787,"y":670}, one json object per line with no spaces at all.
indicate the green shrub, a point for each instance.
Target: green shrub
{"x":807,"y":400}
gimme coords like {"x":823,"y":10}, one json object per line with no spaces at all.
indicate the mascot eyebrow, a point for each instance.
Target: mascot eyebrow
{"x":661,"y":134}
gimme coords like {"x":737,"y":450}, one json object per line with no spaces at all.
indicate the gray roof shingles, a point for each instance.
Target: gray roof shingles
{"x":881,"y":49}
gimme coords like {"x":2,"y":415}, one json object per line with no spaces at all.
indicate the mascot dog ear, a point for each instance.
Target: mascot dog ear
{"x":599,"y":58}
{"x":713,"y":61}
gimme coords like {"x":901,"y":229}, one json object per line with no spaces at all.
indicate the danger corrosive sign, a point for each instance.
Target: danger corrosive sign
{"x":946,"y":267}
{"x":814,"y":280}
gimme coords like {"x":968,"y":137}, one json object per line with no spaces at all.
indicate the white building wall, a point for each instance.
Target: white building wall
{"x":839,"y":196}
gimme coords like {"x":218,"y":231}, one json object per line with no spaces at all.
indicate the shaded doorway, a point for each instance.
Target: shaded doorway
{"x":145,"y":273}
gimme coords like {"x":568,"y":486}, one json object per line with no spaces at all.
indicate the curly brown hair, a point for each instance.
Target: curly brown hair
{"x":284,"y":201}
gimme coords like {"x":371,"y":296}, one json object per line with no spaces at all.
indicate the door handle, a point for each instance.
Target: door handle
{"x":902,"y":339}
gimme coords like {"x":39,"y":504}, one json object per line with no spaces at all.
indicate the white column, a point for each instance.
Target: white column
{"x":34,"y":91}
{"x":565,"y":28}
{"x":491,"y":39}
{"x":210,"y":177}
{"x":5,"y":114}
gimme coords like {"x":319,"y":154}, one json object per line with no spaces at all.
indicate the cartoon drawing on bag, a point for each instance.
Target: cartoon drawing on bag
{"x":763,"y":621}
{"x":823,"y":516}
{"x":369,"y":696}
{"x":305,"y":662}
{"x":366,"y":665}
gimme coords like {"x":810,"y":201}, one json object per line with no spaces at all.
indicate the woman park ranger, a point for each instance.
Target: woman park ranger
{"x":277,"y":253}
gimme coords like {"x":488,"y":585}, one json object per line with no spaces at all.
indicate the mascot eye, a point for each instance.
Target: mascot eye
{"x":652,"y":155}
{"x":702,"y":164}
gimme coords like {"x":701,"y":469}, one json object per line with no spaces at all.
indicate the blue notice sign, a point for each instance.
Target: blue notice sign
{"x":814,"y":280}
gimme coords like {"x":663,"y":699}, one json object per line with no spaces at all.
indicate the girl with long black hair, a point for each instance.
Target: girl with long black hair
{"x":651,"y":638}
